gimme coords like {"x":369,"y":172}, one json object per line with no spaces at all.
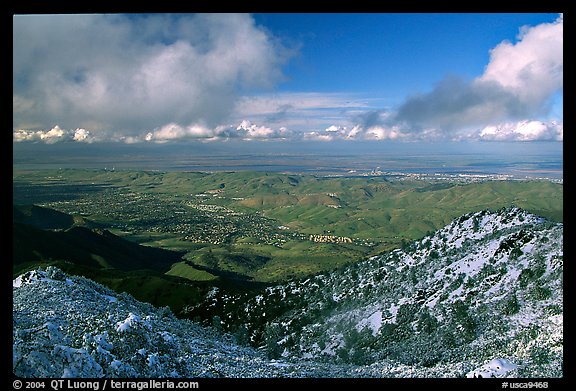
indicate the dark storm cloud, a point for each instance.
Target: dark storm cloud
{"x":455,"y":104}
{"x":372,"y":118}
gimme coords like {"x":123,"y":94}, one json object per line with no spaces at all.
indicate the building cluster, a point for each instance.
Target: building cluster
{"x":330,"y":239}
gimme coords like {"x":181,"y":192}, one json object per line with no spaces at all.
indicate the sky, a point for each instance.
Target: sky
{"x":170,"y":78}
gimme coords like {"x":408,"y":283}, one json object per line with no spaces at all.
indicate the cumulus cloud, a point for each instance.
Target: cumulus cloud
{"x":249,"y":131}
{"x":165,"y":78}
{"x":54,"y":135}
{"x":125,"y":73}
{"x":81,"y":135}
{"x":532,"y":68}
{"x":524,"y":131}
{"x":519,"y":81}
{"x":357,"y":132}
{"x":246,"y":130}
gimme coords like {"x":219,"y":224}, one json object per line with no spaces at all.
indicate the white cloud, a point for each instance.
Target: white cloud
{"x":336,"y":128}
{"x":523,"y":131}
{"x":357,"y":132}
{"x":20,"y":135}
{"x":247,"y":130}
{"x":53,"y":135}
{"x":81,"y":135}
{"x":161,"y":78}
{"x":532,"y":68}
{"x":174,"y":131}
{"x":125,"y":73}
{"x":382,"y":133}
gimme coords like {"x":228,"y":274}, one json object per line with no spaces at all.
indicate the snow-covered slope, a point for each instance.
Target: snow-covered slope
{"x":66,"y":326}
{"x":481,"y":297}
{"x":72,"y":327}
{"x":487,"y":286}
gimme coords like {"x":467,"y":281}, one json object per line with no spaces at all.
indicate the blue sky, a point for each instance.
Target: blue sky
{"x":400,"y":53}
{"x":280,"y":77}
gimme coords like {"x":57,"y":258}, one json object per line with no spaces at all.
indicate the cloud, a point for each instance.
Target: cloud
{"x":125,"y":73}
{"x":531,"y":69}
{"x":81,"y":135}
{"x":524,"y":131}
{"x":54,"y":135}
{"x":519,"y":81}
{"x":299,"y":111}
{"x":335,"y":129}
{"x":166,"y":78}
{"x":246,"y":130}
{"x":455,"y":104}
{"x":174,"y":131}
{"x":372,"y":118}
{"x":357,"y":132}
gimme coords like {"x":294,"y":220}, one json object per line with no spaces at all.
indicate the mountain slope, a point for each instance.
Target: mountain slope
{"x":43,"y":218}
{"x":481,"y":297}
{"x":66,"y":326}
{"x":95,"y":248}
{"x":72,"y":327}
{"x":487,"y":286}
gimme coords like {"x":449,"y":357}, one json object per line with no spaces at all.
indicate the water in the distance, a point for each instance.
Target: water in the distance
{"x":517,"y":159}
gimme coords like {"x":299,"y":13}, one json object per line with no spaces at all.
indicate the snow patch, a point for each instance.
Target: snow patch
{"x":374,"y":322}
{"x":497,"y":367}
{"x":36,"y":276}
{"x":128,"y":323}
{"x":111,"y":299}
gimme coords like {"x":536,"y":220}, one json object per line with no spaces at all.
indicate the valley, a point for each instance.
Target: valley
{"x":273,"y":215}
{"x":249,"y":228}
{"x":347,"y":271}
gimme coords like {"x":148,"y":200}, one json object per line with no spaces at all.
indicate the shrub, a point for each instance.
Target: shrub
{"x":510,"y":305}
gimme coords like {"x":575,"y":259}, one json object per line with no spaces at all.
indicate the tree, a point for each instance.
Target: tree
{"x":217,"y":324}
{"x":510,"y":305}
{"x":242,"y":337}
{"x":463,"y":321}
{"x":516,"y":253}
{"x":272,"y":335}
{"x":426,"y":322}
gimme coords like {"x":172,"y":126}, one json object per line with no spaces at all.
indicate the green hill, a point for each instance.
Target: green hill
{"x":243,"y":217}
{"x":44,"y":218}
{"x":98,"y":249}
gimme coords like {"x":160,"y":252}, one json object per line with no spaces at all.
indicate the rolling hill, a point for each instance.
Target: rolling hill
{"x":248,"y":216}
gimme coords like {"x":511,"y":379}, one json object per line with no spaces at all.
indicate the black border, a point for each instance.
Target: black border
{"x":374,"y":6}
